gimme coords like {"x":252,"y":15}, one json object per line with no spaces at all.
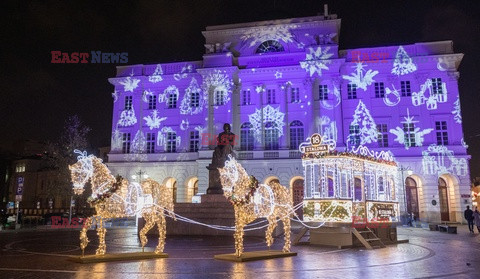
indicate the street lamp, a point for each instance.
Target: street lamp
{"x":409,"y":172}
{"x":139,"y":174}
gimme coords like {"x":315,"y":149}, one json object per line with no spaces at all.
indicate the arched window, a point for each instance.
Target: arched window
{"x":271,"y":136}
{"x":296,"y":134}
{"x":171,"y":142}
{"x":443,"y":199}
{"x":246,"y":136}
{"x":412,"y":196}
{"x":270,"y":46}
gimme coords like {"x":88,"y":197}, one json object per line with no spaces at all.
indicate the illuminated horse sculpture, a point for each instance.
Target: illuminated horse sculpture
{"x":252,"y":200}
{"x":117,"y":198}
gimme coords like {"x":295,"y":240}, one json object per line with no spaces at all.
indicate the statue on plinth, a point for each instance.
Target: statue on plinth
{"x":225,"y":143}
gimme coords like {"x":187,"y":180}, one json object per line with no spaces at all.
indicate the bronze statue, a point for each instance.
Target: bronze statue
{"x":225,"y":143}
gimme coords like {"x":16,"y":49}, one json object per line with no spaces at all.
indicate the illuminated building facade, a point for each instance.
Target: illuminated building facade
{"x":278,"y":82}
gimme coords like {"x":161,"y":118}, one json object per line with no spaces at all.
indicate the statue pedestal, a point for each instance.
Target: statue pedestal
{"x":214,"y":184}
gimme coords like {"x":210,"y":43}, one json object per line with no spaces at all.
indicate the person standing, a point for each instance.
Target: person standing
{"x":476,"y":216}
{"x":468,"y":214}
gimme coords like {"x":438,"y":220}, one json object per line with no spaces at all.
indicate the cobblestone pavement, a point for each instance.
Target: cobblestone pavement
{"x":43,"y":254}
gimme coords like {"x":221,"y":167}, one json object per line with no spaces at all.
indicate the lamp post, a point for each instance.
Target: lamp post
{"x":402,"y":169}
{"x":139,"y":174}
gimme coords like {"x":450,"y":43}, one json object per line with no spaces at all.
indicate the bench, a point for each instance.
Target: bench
{"x":447,"y":228}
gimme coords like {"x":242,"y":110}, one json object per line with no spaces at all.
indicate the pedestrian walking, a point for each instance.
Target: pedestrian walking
{"x":476,"y":216}
{"x":468,"y":214}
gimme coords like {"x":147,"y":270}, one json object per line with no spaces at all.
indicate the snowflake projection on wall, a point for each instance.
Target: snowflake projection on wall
{"x":316,"y":60}
{"x":127,"y":118}
{"x":157,"y":75}
{"x":129,"y":84}
{"x":146,"y":94}
{"x":139,"y":143}
{"x":337,"y":99}
{"x":367,"y":129}
{"x":438,"y":160}
{"x":270,"y":114}
{"x":188,"y":68}
{"x":417,"y":133}
{"x":361,"y":77}
{"x":186,"y":106}
{"x":184,"y":125}
{"x":403,"y":64}
{"x":326,"y":127}
{"x":220,"y":81}
{"x":457,"y":112}
{"x":392,"y":97}
{"x":115,"y":96}
{"x":170,"y":90}
{"x":258,"y":35}
{"x":116,"y":140}
{"x":419,"y":98}
{"x":162,"y":137}
{"x":153,"y":121}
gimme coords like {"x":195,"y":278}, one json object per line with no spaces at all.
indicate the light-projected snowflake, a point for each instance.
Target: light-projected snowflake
{"x":218,"y":79}
{"x":258,"y":35}
{"x":115,"y":96}
{"x":146,"y":94}
{"x":438,"y":159}
{"x":193,"y":90}
{"x":188,"y":68}
{"x":116,"y":140}
{"x":139,"y":143}
{"x":270,"y":115}
{"x":336,"y":100}
{"x":457,"y":111}
{"x":153,"y":121}
{"x":129,"y":84}
{"x":157,"y":75}
{"x":367,"y":129}
{"x":419,"y":98}
{"x":162,"y":137}
{"x":403,"y":64}
{"x":361,"y":77}
{"x":416,"y":136}
{"x":127,"y":118}
{"x":392,"y":97}
{"x":316,"y":60}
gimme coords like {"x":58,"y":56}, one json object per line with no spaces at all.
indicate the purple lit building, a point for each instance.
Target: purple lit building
{"x":278,"y":82}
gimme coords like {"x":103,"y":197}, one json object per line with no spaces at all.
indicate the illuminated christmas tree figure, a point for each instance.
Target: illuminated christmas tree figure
{"x":403,"y":64}
{"x":363,"y":128}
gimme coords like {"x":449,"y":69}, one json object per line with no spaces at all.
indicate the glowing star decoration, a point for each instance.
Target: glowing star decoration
{"x":116,"y":140}
{"x":184,"y":125}
{"x":457,"y":113}
{"x":416,"y":132}
{"x":278,"y":75}
{"x":271,"y":116}
{"x":162,"y":137}
{"x":157,"y":75}
{"x":252,"y":200}
{"x":129,"y":84}
{"x":117,"y":198}
{"x":367,"y":129}
{"x":316,"y":60}
{"x":115,"y":96}
{"x":438,"y":160}
{"x":193,"y":100}
{"x":419,"y":98}
{"x":336,"y":101}
{"x":188,"y":68}
{"x":153,"y":121}
{"x":403,"y":64}
{"x":139,"y":143}
{"x":392,"y":97}
{"x":258,"y":35}
{"x":127,"y":118}
{"x":361,"y":78}
{"x":146,"y":94}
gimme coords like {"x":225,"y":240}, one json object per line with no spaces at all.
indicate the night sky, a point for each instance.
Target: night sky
{"x":37,"y":96}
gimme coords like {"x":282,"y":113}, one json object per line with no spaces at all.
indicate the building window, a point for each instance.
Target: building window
{"x":351,"y":91}
{"x":442,"y":134}
{"x":382,"y":135}
{"x":322,"y":92}
{"x":437,"y":86}
{"x":194,"y":141}
{"x":354,"y":136}
{"x":271,"y":96}
{"x":150,"y":142}
{"x":271,"y":136}
{"x":294,"y":95}
{"x":126,"y":142}
{"x":219,"y":97}
{"x":379,"y":90}
{"x":409,"y":134}
{"x":296,"y":134}
{"x":246,"y":97}
{"x":128,"y":102}
{"x":172,"y":100}
{"x":406,"y":90}
{"x":270,"y":46}
{"x":195,"y":99}
{"x":246,"y":136}
{"x":152,"y":102}
{"x":171,"y":142}
{"x":20,"y":167}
